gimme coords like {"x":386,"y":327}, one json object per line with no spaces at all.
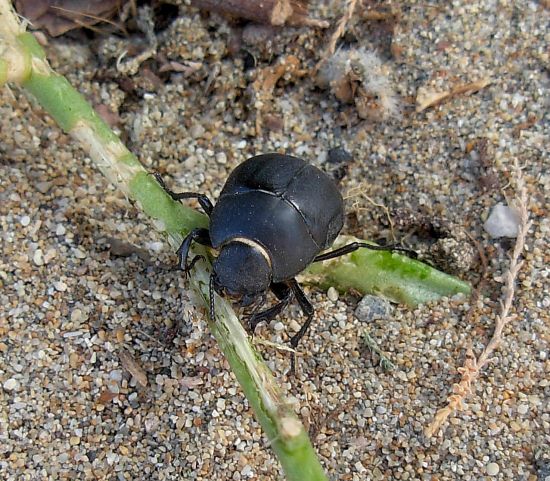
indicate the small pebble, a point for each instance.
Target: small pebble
{"x":43,"y":187}
{"x":493,"y":469}
{"x":371,"y":308}
{"x":11,"y":384}
{"x":38,"y":257}
{"x":196,"y":131}
{"x":25,"y":220}
{"x":278,"y":326}
{"x":60,"y":286}
{"x":502,"y":222}
{"x":332,"y":294}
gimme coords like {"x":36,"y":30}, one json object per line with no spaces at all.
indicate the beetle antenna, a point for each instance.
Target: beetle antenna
{"x":211,"y":293}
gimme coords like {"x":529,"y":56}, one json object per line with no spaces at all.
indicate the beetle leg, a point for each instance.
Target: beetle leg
{"x":203,"y":200}
{"x":284,"y":294}
{"x":199,"y":235}
{"x":358,"y":245}
{"x":307,"y":309}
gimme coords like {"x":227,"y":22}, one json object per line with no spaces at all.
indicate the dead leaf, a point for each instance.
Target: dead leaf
{"x":132,"y":366}
{"x":59,"y":16}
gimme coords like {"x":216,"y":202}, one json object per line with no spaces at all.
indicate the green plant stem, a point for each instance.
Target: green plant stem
{"x":23,"y":61}
{"x":388,"y":274}
{"x":285,"y":433}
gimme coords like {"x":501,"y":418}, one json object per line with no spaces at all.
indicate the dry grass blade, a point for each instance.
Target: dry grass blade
{"x":472,"y":366}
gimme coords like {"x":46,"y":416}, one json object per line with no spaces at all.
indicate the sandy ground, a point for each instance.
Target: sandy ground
{"x":69,"y":303}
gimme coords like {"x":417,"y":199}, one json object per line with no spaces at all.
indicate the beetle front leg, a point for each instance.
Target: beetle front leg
{"x":200,"y":235}
{"x":203,"y":200}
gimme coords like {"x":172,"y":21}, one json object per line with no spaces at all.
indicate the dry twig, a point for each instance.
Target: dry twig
{"x":426,"y":99}
{"x":472,"y":366}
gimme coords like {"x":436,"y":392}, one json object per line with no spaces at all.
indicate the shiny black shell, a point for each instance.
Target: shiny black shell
{"x":293,"y":209}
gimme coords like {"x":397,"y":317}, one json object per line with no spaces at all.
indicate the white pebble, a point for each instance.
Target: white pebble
{"x":332,"y":294}
{"x":523,"y":409}
{"x":60,"y":286}
{"x":493,"y":469}
{"x":11,"y":384}
{"x":77,"y":315}
{"x":247,"y":471}
{"x":38,"y":258}
{"x":60,"y":229}
{"x":25,"y":220}
{"x":502,"y":222}
{"x":279,"y":326}
{"x":154,"y":246}
{"x":221,"y":158}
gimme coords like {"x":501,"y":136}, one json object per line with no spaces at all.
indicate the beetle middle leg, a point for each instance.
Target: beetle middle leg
{"x":203,"y":200}
{"x":200,"y":235}
{"x":284,"y":294}
{"x":341,"y":251}
{"x":307,"y":309}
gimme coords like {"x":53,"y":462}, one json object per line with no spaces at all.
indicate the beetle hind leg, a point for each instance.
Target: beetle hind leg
{"x":341,"y":251}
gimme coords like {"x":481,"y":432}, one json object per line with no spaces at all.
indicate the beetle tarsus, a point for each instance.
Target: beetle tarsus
{"x":199,"y":235}
{"x":341,"y":251}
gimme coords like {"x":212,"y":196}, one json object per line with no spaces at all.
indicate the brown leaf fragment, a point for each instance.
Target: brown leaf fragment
{"x":131,"y":365}
{"x":426,"y":98}
{"x":59,"y":16}
{"x":271,"y":12}
{"x":106,"y":397}
{"x":191,"y":382}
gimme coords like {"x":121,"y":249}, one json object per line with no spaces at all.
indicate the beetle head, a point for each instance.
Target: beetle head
{"x":241,"y":272}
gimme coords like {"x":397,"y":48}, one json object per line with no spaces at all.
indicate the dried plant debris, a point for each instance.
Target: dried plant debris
{"x":427,"y":98}
{"x":358,"y":76}
{"x":472,"y":365}
{"x":340,"y":28}
{"x":59,"y":16}
{"x":133,"y":367}
{"x":261,"y":90}
{"x":271,"y":12}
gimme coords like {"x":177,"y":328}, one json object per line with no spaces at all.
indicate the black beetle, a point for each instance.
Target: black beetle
{"x":274,"y":216}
